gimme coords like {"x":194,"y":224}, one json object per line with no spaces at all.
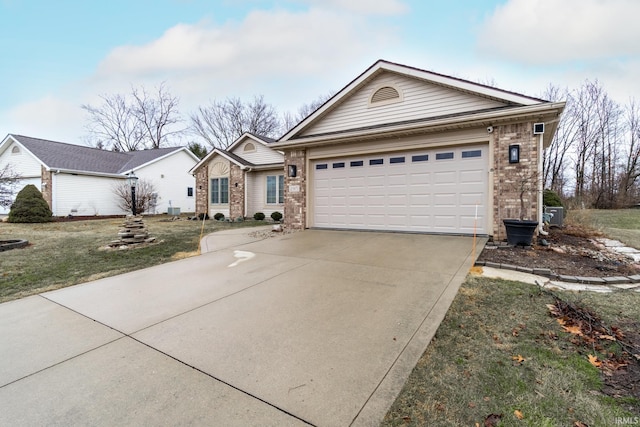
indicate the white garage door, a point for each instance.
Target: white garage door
{"x":433,"y":191}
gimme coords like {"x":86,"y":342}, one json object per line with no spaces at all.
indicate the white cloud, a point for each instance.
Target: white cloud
{"x":289,"y":57}
{"x":367,"y":7}
{"x":265,"y":42}
{"x":552,"y":31}
{"x":49,"y":118}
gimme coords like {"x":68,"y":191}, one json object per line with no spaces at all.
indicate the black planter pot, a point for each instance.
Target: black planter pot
{"x":520,"y":232}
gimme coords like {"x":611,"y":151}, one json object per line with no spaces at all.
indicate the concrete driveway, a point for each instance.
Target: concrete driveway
{"x":311,"y":328}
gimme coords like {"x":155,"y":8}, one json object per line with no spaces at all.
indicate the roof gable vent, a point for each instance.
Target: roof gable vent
{"x":385,"y":95}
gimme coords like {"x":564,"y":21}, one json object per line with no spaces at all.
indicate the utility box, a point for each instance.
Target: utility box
{"x":173,"y":211}
{"x":557,"y":217}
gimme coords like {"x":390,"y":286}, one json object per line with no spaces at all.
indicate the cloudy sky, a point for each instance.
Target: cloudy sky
{"x":58,"y":55}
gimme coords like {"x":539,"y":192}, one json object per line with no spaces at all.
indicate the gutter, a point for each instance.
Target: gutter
{"x":470,"y":120}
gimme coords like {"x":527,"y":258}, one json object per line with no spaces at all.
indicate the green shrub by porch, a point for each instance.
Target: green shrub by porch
{"x":276,"y":216}
{"x":30,"y":207}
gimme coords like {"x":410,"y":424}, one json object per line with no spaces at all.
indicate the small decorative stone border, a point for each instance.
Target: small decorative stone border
{"x":6,"y":245}
{"x":546,"y":272}
{"x":606,"y":244}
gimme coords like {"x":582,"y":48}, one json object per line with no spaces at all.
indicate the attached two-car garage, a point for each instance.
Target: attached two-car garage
{"x":440,"y":190}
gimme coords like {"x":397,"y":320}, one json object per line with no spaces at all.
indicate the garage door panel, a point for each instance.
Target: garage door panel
{"x":445,"y":177}
{"x":384,"y":193}
{"x":471,"y":176}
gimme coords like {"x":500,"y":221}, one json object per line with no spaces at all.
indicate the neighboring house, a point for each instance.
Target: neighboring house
{"x":246,"y":178}
{"x":405,"y":149}
{"x":77,"y":180}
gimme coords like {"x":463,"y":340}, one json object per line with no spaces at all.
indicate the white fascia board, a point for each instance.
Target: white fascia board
{"x":87,"y":173}
{"x":10,"y":138}
{"x":270,"y":166}
{"x":209,"y":156}
{"x":468,"y":120}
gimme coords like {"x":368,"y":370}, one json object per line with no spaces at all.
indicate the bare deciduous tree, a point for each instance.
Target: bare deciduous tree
{"x":631,"y":168}
{"x":222,"y":122}
{"x":141,"y":121}
{"x":9,"y":179}
{"x":146,"y":196}
{"x":555,"y":157}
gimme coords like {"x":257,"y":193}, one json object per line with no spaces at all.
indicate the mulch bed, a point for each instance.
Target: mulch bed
{"x":568,"y":253}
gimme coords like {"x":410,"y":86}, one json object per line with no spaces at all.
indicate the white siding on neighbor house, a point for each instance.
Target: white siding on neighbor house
{"x":420,"y":100}
{"x":84,"y":195}
{"x":19,"y":186}
{"x":22,"y":162}
{"x":25,"y":165}
{"x":171,"y":178}
{"x":257,"y":193}
{"x":260,"y":156}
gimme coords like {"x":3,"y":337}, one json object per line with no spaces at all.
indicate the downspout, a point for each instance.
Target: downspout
{"x":540,"y":186}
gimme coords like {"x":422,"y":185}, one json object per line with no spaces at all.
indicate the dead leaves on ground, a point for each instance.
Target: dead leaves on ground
{"x":590,"y":331}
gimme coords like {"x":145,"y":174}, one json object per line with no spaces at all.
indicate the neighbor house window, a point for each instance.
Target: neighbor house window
{"x":219,"y":190}
{"x":275,"y":189}
{"x":189,"y":191}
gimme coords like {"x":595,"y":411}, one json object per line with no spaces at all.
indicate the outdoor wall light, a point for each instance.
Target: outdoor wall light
{"x":292,"y":171}
{"x":514,"y":154}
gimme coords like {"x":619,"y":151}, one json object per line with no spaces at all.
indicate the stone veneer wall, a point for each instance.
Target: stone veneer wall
{"x":236,"y":192}
{"x":47,"y":186}
{"x":202,"y":190}
{"x":295,"y":202}
{"x":508,"y":176}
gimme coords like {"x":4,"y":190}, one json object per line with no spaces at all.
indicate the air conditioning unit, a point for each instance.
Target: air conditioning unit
{"x":557,"y":215}
{"x":173,"y":211}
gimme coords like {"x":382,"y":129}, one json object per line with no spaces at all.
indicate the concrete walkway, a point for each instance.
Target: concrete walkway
{"x":312,"y":328}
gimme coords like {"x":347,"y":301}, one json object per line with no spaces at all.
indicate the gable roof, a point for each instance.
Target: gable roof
{"x":77,"y":158}
{"x":236,"y":158}
{"x":264,"y":140}
{"x":511,"y":103}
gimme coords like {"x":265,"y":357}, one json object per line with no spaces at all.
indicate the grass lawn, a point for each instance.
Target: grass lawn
{"x":621,"y":224}
{"x":67,"y":253}
{"x":499,"y":351}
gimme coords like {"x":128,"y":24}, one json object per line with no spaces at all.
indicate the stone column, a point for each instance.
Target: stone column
{"x":507,"y":176}
{"x":236,"y":192}
{"x":46,"y":186}
{"x":295,"y":190}
{"x":202,"y":190}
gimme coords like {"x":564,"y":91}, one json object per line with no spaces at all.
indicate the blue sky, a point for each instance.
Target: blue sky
{"x":60,"y":55}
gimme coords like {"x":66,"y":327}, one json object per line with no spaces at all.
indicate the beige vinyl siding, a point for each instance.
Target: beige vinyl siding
{"x":421,"y":100}
{"x":261,"y":156}
{"x":257,"y":193}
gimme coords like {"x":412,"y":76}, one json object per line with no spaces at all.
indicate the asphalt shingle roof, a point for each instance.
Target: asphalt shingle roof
{"x":58,"y":155}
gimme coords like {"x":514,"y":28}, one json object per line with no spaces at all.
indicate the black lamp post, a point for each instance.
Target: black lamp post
{"x":133,"y":181}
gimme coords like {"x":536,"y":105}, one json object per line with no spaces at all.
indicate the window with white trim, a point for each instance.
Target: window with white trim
{"x":219,"y":191}
{"x":275,"y":189}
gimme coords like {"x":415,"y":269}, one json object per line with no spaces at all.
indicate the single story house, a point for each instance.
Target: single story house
{"x":405,"y":149}
{"x":77,"y":180}
{"x":245,"y":178}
